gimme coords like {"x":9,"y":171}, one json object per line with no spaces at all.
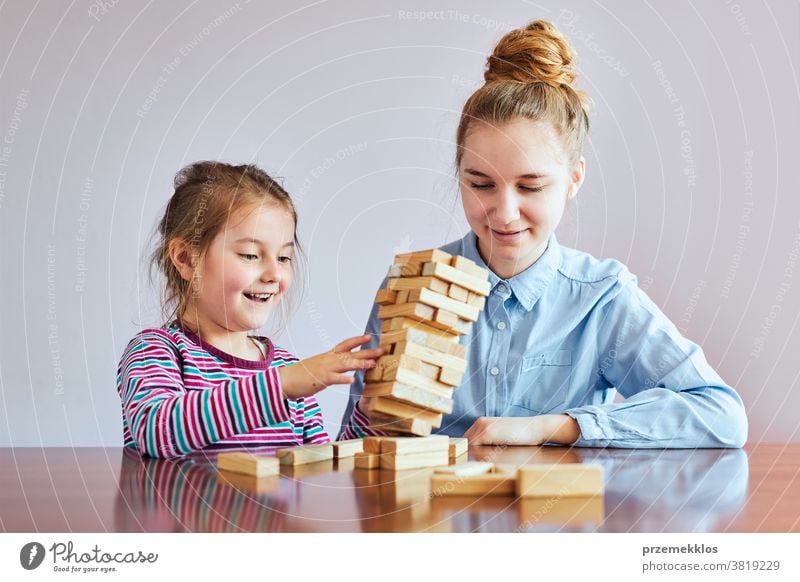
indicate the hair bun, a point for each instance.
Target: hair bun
{"x":538,"y":53}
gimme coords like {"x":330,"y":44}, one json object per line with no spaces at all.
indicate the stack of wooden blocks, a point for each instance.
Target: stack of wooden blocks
{"x":430,"y":300}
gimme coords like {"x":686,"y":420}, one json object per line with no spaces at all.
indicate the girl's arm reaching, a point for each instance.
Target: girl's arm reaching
{"x":167,"y":420}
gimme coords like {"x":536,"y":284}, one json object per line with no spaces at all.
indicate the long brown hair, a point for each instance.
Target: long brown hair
{"x":530,"y":75}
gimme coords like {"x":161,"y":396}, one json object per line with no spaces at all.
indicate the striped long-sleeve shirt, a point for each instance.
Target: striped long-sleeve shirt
{"x":181,"y":395}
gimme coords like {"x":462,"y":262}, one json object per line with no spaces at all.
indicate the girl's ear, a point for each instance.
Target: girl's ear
{"x":183,"y":257}
{"x":576,"y":178}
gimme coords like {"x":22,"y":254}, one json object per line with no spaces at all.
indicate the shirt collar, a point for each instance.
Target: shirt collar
{"x":528,"y":285}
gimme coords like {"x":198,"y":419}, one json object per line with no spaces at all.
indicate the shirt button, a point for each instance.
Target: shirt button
{"x":501,"y":325}
{"x":501,"y":289}
{"x":494,"y":371}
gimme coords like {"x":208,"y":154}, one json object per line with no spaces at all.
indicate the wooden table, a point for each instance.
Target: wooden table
{"x":109,"y":489}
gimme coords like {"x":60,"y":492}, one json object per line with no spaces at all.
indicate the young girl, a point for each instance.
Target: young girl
{"x":226,"y":250}
{"x":562,"y":333}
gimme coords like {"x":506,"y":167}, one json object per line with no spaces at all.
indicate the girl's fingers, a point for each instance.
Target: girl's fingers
{"x":368,"y":354}
{"x":352,"y":343}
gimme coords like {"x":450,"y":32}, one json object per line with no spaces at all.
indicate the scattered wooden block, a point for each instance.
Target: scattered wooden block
{"x":458,"y":446}
{"x":302,"y":455}
{"x":367,"y":461}
{"x":372,"y":444}
{"x":560,"y":480}
{"x":412,"y":283}
{"x":466,"y":469}
{"x":248,"y":464}
{"x":399,"y":409}
{"x":407,"y":446}
{"x":450,"y":377}
{"x":439,"y":301}
{"x":348,"y":448}
{"x":479,"y":485}
{"x":478,"y":285}
{"x":410,"y":394}
{"x":414,"y":461}
{"x":416,"y":311}
{"x":385,"y":297}
{"x":457,"y":293}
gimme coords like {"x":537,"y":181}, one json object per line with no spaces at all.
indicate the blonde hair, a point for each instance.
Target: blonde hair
{"x":530,"y":75}
{"x":206,"y":195}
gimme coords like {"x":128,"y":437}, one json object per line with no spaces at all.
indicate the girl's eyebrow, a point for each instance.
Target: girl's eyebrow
{"x":533,"y":176}
{"x":250,"y":239}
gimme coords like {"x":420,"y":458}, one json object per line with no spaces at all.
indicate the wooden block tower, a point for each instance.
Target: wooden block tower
{"x":430,"y":300}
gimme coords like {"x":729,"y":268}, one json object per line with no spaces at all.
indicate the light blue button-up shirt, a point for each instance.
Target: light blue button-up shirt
{"x":568,"y":334}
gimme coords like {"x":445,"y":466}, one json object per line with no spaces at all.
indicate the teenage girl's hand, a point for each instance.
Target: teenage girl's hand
{"x":527,"y":430}
{"x":311,"y":375}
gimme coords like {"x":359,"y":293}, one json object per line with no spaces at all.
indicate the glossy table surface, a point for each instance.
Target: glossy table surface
{"x":108,"y":489}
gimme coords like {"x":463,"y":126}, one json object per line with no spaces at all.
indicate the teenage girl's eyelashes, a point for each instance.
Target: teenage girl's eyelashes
{"x":285,"y":259}
{"x":248,"y":257}
{"x":488,"y":186}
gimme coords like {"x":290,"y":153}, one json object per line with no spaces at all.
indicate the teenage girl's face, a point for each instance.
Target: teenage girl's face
{"x":515,"y":181}
{"x":246,"y":270}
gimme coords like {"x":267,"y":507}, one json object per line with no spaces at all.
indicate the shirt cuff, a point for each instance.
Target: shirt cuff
{"x":594,"y":426}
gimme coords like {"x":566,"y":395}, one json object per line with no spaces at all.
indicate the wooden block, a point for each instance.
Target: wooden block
{"x":248,"y":464}
{"x":410,"y":394}
{"x":469,"y":267}
{"x":451,"y":322}
{"x":432,"y":387}
{"x":457,"y":293}
{"x":459,"y":459}
{"x":564,"y":511}
{"x":410,"y":268}
{"x":458,"y":446}
{"x":406,"y":376}
{"x":348,"y":448}
{"x":367,"y":461}
{"x":416,"y":311}
{"x":560,"y":480}
{"x":385,"y":297}
{"x":430,"y":356}
{"x":306,"y":454}
{"x":373,"y":374}
{"x":397,"y":329}
{"x":390,"y":366}
{"x":402,"y":297}
{"x":466,"y":469}
{"x":412,"y":283}
{"x":476,"y":300}
{"x":413,"y":461}
{"x":423,"y":338}
{"x":450,"y":377}
{"x":427,"y":256}
{"x":450,"y":274}
{"x":391,"y":424}
{"x":372,"y":444}
{"x":407,"y":445}
{"x":479,"y":485}
{"x":439,"y":301}
{"x":394,"y":271}
{"x":399,"y":409}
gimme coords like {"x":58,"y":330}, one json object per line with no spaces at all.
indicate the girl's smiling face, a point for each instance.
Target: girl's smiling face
{"x":246,"y":269}
{"x":515,"y":180}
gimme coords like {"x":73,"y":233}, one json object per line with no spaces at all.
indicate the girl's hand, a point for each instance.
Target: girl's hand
{"x":531,"y":430}
{"x":311,"y":375}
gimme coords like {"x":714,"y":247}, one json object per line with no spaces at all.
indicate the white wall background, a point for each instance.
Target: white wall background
{"x":690,"y":182}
